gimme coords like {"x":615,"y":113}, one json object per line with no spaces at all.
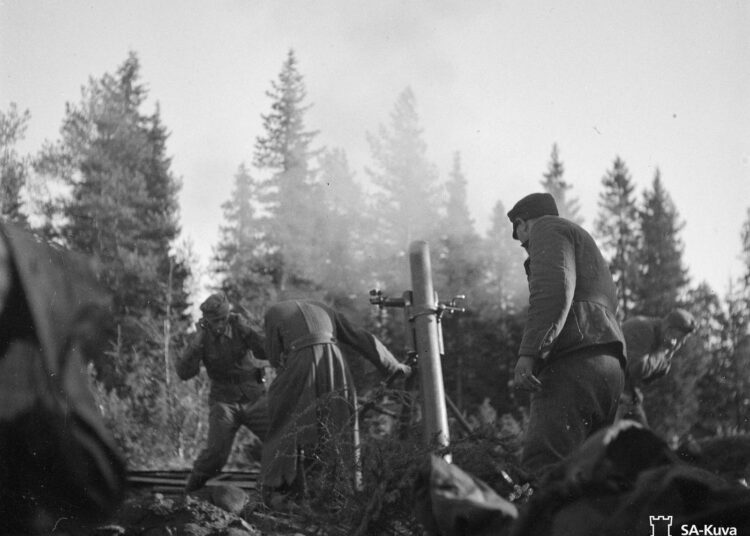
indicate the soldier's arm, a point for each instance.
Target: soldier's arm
{"x":643,"y":354}
{"x":552,"y":282}
{"x":189,"y":363}
{"x":252,"y":339}
{"x":273,"y":345}
{"x":366,"y":344}
{"x":655,"y":366}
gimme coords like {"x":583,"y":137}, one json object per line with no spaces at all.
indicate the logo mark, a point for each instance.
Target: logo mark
{"x":660,"y":525}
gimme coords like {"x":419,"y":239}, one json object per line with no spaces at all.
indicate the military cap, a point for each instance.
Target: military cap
{"x":680,"y":319}
{"x":532,"y":206}
{"x":215,"y":306}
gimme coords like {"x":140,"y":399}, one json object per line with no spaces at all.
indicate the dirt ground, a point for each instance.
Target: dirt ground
{"x":228,"y":510}
{"x":241,"y":513}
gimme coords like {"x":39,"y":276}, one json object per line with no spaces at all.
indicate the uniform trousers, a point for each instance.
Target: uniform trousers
{"x":580,"y":394}
{"x":225,"y":419}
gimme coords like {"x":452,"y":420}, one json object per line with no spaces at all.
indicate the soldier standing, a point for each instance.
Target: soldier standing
{"x":571,"y":356}
{"x":223,"y":342}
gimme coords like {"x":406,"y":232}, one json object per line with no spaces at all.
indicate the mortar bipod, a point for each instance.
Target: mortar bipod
{"x":410,"y":344}
{"x":411,"y":313}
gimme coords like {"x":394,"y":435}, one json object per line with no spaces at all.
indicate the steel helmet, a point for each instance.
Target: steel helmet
{"x":680,"y":319}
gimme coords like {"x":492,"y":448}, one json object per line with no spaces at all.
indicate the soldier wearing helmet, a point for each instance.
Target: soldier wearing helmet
{"x":651,"y":343}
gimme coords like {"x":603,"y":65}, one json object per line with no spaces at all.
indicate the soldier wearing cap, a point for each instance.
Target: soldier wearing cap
{"x":224,"y":342}
{"x":572,"y":354}
{"x":651,"y":344}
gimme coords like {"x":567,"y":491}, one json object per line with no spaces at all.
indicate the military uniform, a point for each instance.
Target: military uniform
{"x":302,"y":342}
{"x":650,"y":353}
{"x":571,"y":333}
{"x":236,"y":397}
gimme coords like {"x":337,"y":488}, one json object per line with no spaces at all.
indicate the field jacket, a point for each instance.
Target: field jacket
{"x":648,"y":360}
{"x":572,"y":297}
{"x":227,"y":358}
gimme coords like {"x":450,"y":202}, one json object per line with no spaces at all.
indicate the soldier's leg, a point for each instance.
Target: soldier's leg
{"x":223,"y":424}
{"x":254,"y":415}
{"x":579,"y":396}
{"x":631,"y":407}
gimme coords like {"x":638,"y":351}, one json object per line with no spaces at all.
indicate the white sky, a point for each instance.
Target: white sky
{"x":660,"y":83}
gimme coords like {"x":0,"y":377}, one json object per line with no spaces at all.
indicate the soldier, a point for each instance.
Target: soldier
{"x":571,"y":356}
{"x":313,"y":397}
{"x":651,"y":343}
{"x":58,"y":464}
{"x":223,"y":342}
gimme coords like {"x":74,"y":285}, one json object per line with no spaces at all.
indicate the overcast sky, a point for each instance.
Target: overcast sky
{"x":663,"y":84}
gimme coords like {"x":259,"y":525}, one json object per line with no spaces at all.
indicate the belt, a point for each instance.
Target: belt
{"x":321,"y":337}
{"x":235,"y":381}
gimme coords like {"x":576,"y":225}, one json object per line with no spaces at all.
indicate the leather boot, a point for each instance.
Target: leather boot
{"x":195,"y":481}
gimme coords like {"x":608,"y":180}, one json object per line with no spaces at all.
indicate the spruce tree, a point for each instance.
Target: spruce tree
{"x":506,"y":284}
{"x":491,"y":330}
{"x":729,"y":381}
{"x":406,"y":203}
{"x":458,"y":268}
{"x":745,"y":254}
{"x":617,"y":231}
{"x":238,"y":257}
{"x":342,"y":264}
{"x":457,"y":217}
{"x":290,"y":195}
{"x":723,"y":385}
{"x":14,"y":168}
{"x":662,"y":277}
{"x":557,"y":186}
{"x":122,"y":208}
{"x":457,"y":252}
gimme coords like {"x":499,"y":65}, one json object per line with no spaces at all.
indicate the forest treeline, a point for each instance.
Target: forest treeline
{"x":298,"y":222}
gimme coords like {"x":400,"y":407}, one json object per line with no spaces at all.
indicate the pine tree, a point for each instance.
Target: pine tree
{"x":290,"y":196}
{"x":728,"y":382}
{"x":14,"y":169}
{"x":343,"y":269}
{"x":458,"y":219}
{"x":555,"y":184}
{"x":406,"y":204}
{"x":457,"y":251}
{"x":662,"y":276}
{"x":745,"y":255}
{"x":481,"y":344}
{"x":617,"y":231}
{"x":506,"y":284}
{"x":723,"y":385}
{"x":458,"y":268}
{"x":160,"y":208}
{"x":122,"y":209}
{"x":238,"y":256}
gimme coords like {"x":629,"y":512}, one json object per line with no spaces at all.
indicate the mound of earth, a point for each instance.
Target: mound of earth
{"x":212,"y":511}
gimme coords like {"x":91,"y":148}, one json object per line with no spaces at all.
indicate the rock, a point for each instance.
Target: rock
{"x":229,"y":498}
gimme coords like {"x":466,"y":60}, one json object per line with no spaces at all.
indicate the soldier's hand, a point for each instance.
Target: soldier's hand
{"x":405,"y":370}
{"x":200,"y":333}
{"x":524,"y":377}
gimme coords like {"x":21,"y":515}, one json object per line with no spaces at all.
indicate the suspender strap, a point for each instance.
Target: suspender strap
{"x":321,"y":337}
